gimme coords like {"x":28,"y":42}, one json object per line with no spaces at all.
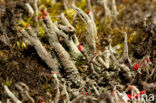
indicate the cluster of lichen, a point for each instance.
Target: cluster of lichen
{"x":54,"y":10}
{"x":105,"y":25}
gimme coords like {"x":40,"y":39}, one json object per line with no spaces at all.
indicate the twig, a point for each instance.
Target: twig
{"x":123,"y":66}
{"x":90,"y":8}
{"x":24,"y":91}
{"x":77,"y":98}
{"x":67,"y":95}
{"x":115,"y":12}
{"x":125,"y":51}
{"x":107,"y":10}
{"x":90,"y":28}
{"x":11,"y":95}
{"x":36,"y":14}
{"x":57,"y":87}
{"x":30,"y":9}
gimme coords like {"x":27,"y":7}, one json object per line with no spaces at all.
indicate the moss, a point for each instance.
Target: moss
{"x":7,"y":82}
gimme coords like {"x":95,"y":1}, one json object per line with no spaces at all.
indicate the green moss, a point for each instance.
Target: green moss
{"x":41,"y":32}
{"x":8,"y":81}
